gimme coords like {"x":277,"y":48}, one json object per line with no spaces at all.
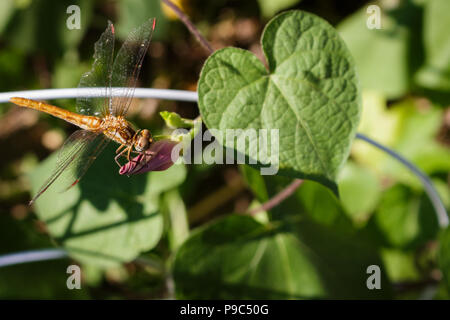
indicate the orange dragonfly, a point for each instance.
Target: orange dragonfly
{"x":101,"y":119}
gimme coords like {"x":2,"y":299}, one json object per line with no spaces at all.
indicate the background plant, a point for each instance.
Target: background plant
{"x":174,"y":228}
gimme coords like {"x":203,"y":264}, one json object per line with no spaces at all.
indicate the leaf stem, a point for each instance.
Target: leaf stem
{"x":427,"y":184}
{"x":188,"y":23}
{"x":278,"y":198}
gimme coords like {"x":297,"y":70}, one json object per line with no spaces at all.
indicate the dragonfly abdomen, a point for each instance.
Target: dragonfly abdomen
{"x":90,"y":123}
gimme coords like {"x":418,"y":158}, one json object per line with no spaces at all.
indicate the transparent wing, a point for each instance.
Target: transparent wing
{"x":98,"y":77}
{"x":127,"y":66}
{"x":74,"y":158}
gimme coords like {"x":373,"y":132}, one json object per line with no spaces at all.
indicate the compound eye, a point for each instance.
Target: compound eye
{"x":141,"y":144}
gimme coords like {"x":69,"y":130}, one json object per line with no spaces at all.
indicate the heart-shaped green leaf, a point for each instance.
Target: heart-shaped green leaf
{"x":310,"y":94}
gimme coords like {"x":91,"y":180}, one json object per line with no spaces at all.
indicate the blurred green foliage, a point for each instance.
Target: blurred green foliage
{"x":410,"y":53}
{"x":132,"y":235}
{"x":239,"y":258}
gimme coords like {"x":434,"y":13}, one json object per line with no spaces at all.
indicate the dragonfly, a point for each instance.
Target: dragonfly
{"x":101,"y":118}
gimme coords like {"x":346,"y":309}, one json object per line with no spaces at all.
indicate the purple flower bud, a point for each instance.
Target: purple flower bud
{"x":157,"y":158}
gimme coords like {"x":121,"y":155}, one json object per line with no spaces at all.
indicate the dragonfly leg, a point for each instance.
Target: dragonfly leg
{"x":130,"y":150}
{"x":116,"y":158}
{"x":120,"y":147}
{"x":119,"y":154}
{"x":146,"y":154}
{"x":129,"y":153}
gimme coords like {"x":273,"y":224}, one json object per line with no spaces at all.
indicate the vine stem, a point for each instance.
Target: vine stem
{"x":188,"y":23}
{"x":278,"y":198}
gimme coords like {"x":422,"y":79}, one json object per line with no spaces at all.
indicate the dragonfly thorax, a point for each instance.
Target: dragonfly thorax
{"x":118,"y":129}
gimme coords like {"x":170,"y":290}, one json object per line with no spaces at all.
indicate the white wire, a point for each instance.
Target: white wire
{"x":66,"y":93}
{"x":433,"y":195}
{"x":31,"y":256}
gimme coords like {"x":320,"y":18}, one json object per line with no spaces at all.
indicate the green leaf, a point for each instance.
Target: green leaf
{"x":401,"y":266}
{"x":360,"y":191}
{"x":376,"y":121}
{"x":435,"y":74}
{"x":269,"y":7}
{"x":322,"y":207}
{"x":107,"y":218}
{"x":133,"y":13}
{"x":12,"y":69}
{"x":310,"y":94}
{"x":42,"y":27}
{"x":386,"y":58}
{"x":408,"y":128}
{"x":68,"y":71}
{"x":240,"y":258}
{"x":173,"y":120}
{"x":256,"y":182}
{"x":404,"y":219}
{"x":6,"y":11}
{"x":176,"y":216}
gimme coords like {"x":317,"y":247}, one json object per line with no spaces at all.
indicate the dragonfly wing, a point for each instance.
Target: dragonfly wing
{"x":89,"y":154}
{"x":127,"y":66}
{"x":74,"y":158}
{"x":98,"y":77}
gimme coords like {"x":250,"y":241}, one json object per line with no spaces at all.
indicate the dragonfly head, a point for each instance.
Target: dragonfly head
{"x":143,"y":140}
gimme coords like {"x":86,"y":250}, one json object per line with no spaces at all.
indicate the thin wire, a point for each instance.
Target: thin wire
{"x":66,"y":93}
{"x":31,"y":256}
{"x":427,"y":184}
{"x":54,"y":253}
